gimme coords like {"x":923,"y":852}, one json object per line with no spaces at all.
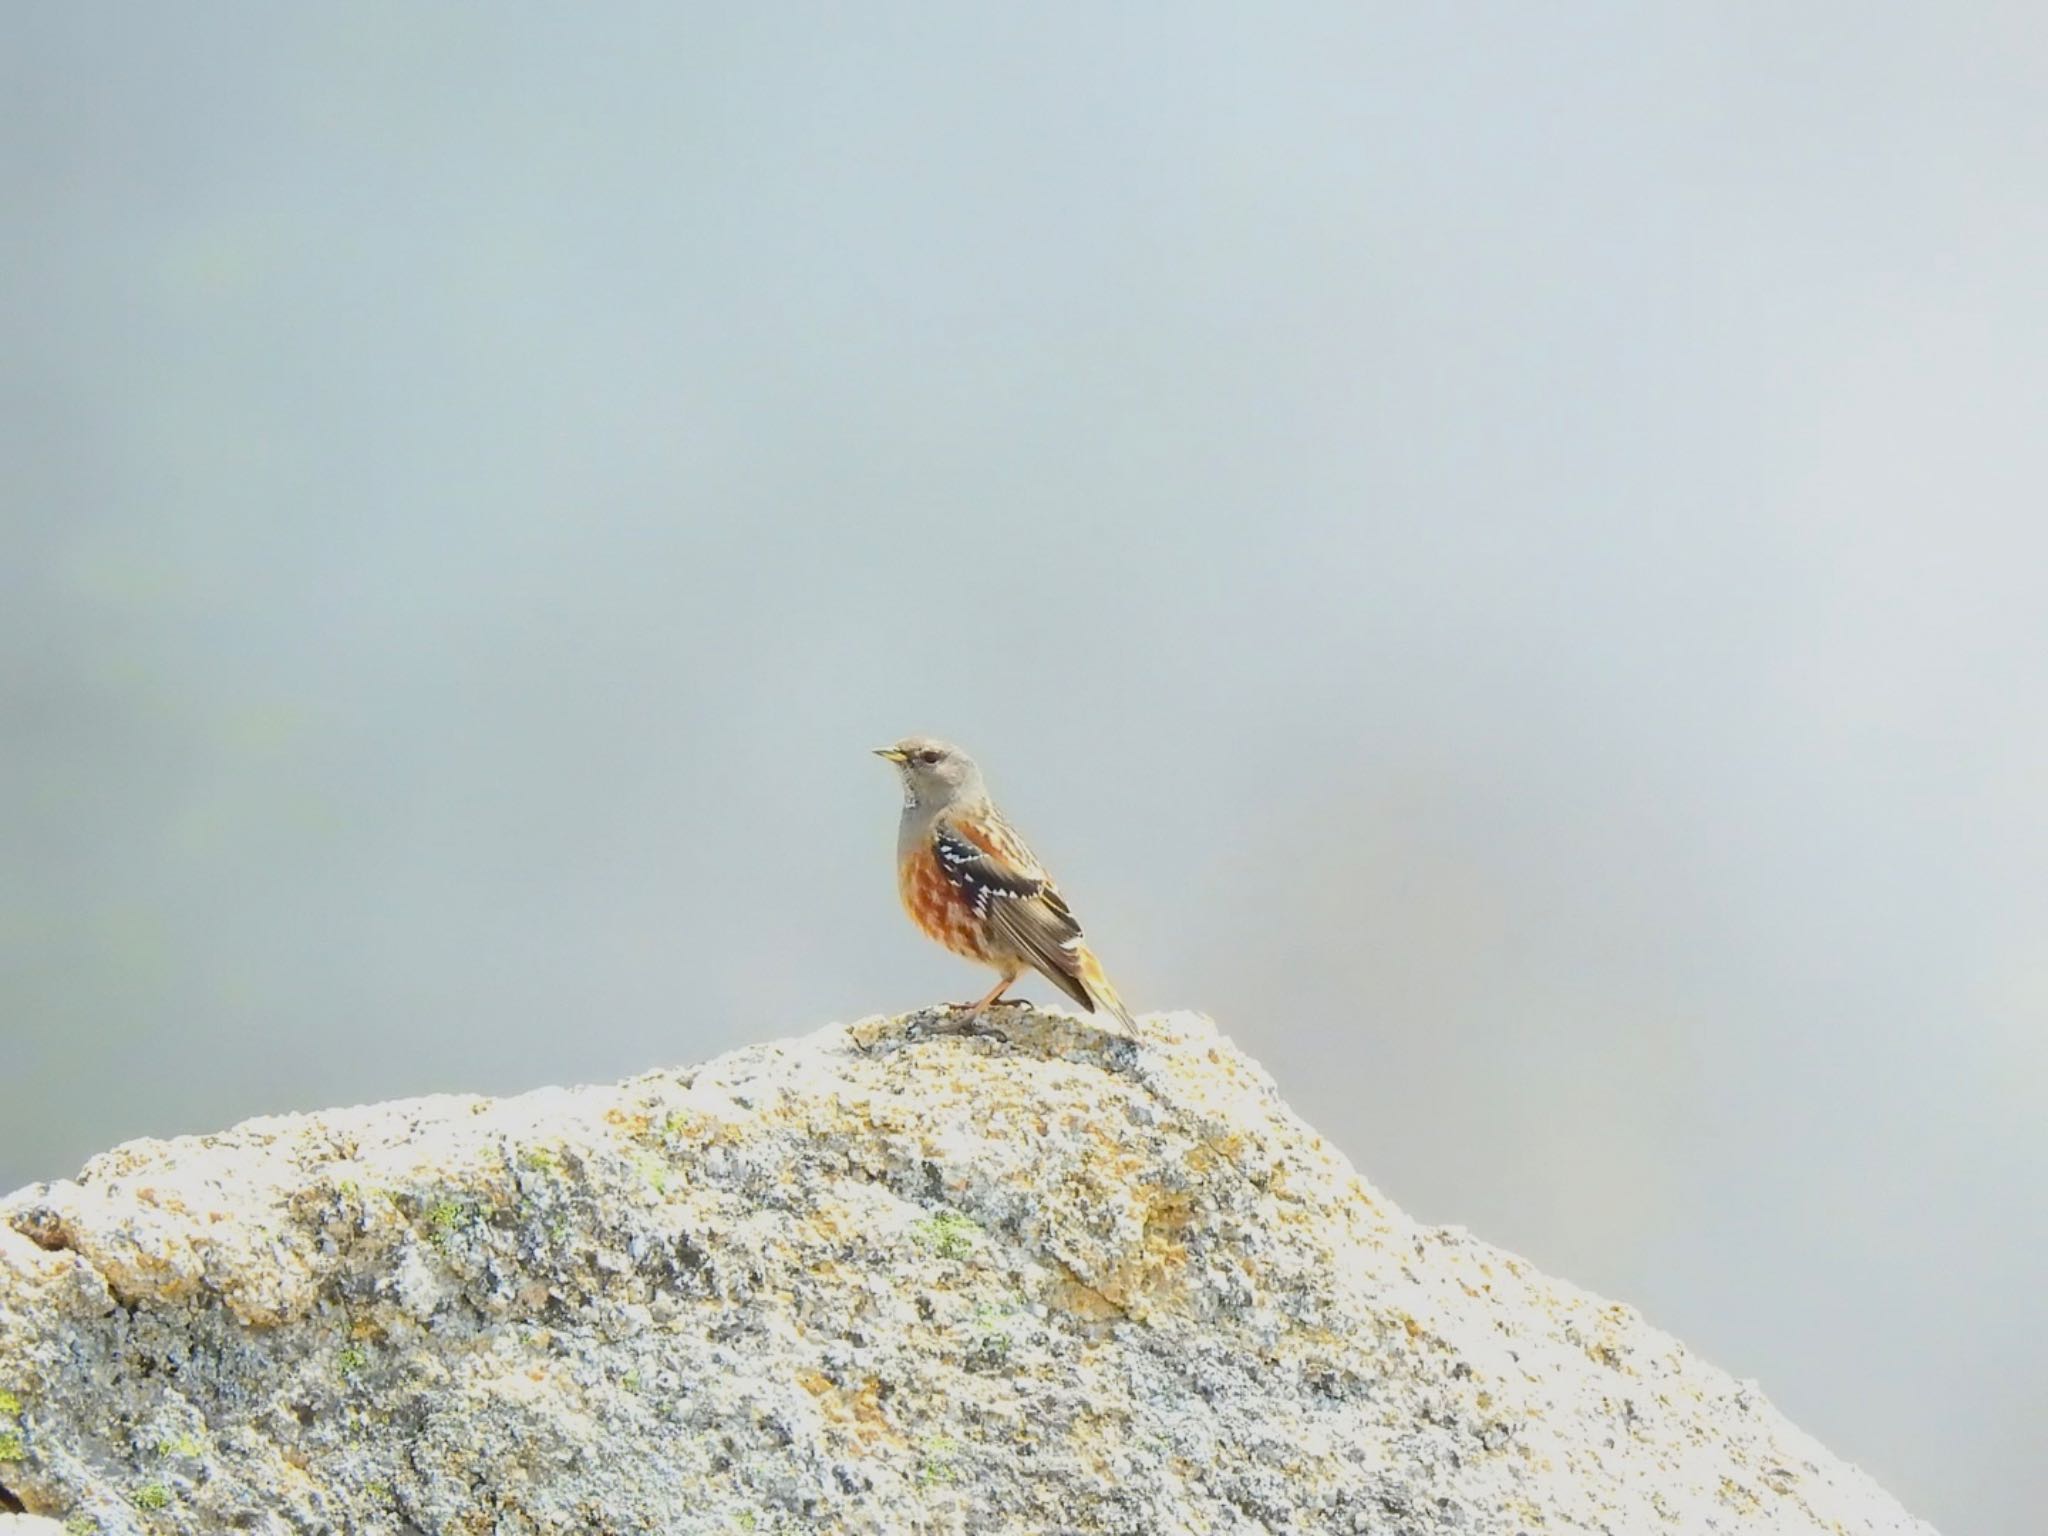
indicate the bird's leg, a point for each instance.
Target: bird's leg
{"x":966,"y":1017}
{"x":990,"y":998}
{"x":993,"y":993}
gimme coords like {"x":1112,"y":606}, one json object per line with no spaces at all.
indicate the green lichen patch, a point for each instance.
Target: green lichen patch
{"x":349,"y":1359}
{"x":947,"y":1234}
{"x":988,"y":1351}
{"x":12,"y":1446}
{"x":10,"y":1405}
{"x":446,"y":1219}
{"x":151,"y":1496}
{"x":653,"y":1170}
{"x":989,"y":1340}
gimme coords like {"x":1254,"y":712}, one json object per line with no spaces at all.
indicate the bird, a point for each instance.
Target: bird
{"x":968,"y":881}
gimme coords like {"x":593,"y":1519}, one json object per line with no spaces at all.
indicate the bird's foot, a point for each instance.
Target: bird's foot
{"x":963,"y":1018}
{"x":981,"y":1006}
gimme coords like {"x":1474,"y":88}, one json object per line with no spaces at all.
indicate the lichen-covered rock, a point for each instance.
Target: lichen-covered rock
{"x":887,"y":1278}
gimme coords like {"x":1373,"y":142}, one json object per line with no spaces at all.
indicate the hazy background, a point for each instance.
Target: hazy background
{"x":1502,"y":556}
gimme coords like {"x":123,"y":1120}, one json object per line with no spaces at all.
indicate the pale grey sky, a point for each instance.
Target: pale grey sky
{"x":1502,"y":556}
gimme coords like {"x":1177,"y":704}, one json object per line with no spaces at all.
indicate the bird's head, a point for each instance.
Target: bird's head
{"x":935,"y":773}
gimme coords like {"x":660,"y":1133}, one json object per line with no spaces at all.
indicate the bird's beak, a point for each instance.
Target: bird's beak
{"x":891,"y":753}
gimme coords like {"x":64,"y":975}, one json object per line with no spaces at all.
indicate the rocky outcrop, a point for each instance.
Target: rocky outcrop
{"x":892,"y":1278}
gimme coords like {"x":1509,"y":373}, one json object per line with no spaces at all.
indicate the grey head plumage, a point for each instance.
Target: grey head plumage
{"x":937,"y":777}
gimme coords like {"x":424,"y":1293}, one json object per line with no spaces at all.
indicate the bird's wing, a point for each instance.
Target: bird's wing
{"x":985,"y":864}
{"x":1012,"y":891}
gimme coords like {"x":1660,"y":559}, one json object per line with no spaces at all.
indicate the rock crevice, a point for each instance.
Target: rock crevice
{"x":886,"y":1278}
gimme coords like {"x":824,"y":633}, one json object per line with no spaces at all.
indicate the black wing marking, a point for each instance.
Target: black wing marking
{"x":981,"y":873}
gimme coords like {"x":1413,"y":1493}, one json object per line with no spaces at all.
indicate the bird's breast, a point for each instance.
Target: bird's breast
{"x":939,"y":906}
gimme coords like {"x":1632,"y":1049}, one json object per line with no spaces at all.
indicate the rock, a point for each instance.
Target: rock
{"x":886,"y":1278}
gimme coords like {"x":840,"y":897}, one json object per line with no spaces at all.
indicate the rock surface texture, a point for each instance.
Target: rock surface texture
{"x":894,"y":1278}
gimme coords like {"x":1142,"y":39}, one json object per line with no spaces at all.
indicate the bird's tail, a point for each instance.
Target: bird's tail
{"x":1101,"y":993}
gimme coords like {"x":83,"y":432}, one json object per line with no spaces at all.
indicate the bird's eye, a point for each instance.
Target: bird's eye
{"x":927,"y":756}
